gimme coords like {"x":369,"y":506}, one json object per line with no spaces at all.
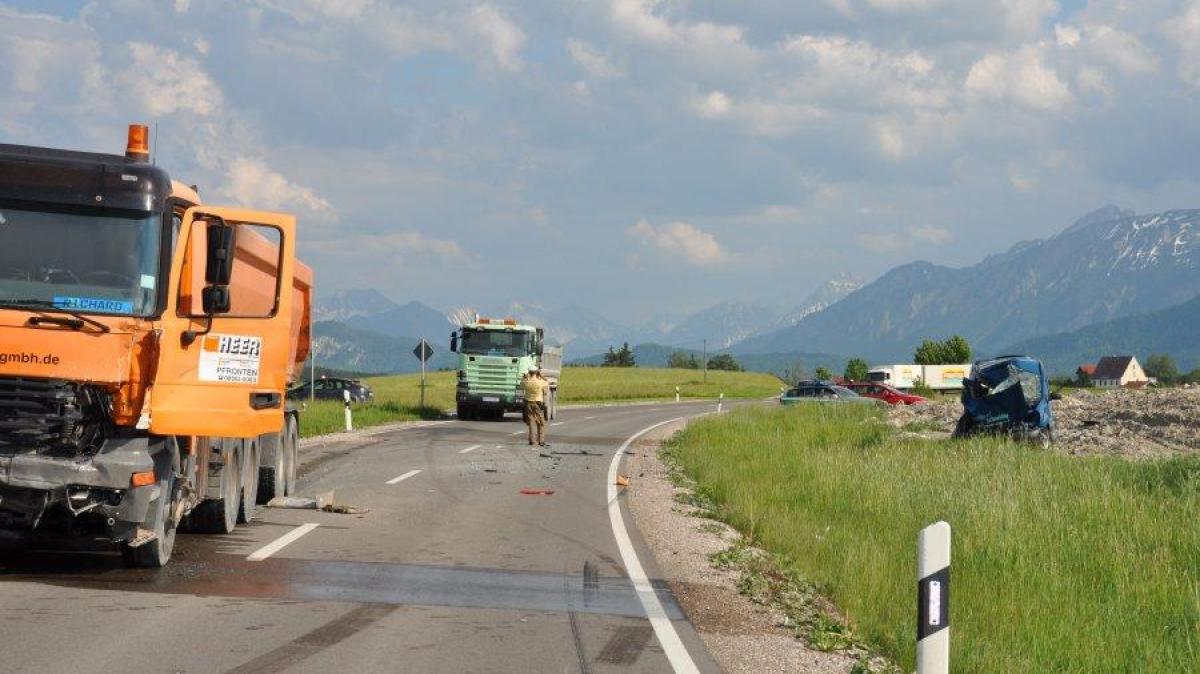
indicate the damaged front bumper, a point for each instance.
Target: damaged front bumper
{"x":83,"y":493}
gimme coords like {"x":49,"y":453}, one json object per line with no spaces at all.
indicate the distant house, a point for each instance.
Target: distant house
{"x":1085,"y":373}
{"x":1117,"y":371}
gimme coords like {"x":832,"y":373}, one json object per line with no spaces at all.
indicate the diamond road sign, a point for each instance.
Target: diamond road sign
{"x":423,"y":351}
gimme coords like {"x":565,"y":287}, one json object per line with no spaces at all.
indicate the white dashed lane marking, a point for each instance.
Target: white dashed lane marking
{"x":469,"y":449}
{"x":401,"y":478}
{"x":281,"y":542}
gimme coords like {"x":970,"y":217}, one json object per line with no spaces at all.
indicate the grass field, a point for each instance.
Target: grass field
{"x":397,"y":397}
{"x":1060,"y":564}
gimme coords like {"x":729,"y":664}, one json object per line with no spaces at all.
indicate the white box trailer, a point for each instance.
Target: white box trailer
{"x":904,"y":376}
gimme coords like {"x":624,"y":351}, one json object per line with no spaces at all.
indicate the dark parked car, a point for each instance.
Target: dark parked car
{"x":822,"y":391}
{"x":887,"y":394}
{"x":331,"y":388}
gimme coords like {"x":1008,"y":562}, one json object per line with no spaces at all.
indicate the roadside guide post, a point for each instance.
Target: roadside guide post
{"x":676,"y":394}
{"x":933,"y":599}
{"x":423,"y":352}
{"x":349,"y":419}
{"x":720,"y":402}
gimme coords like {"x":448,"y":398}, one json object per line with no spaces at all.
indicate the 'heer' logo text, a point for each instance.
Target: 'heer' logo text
{"x":240,"y":346}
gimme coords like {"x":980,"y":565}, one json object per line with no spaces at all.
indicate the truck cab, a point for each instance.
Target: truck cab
{"x":493,"y":356}
{"x":146,"y":341}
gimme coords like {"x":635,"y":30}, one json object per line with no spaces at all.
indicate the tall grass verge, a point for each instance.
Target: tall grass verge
{"x":1061,"y":564}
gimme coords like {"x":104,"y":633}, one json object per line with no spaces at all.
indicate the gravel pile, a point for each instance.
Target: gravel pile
{"x":1153,"y":423}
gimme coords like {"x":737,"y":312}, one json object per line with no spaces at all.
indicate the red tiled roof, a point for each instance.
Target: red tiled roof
{"x":1089,"y":370}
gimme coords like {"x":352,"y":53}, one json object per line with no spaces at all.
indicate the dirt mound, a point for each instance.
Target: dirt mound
{"x":1152,"y":423}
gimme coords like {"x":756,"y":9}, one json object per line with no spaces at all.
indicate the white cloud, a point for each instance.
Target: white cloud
{"x":937,"y":236}
{"x":505,"y":37}
{"x":839,"y":70}
{"x":591,"y":60}
{"x":403,"y":243}
{"x":1021,"y":76}
{"x":879,"y":242}
{"x":711,"y":43}
{"x":1067,"y":36}
{"x":1024,"y":18}
{"x":682,"y":239}
{"x":902,"y":5}
{"x":891,"y":139}
{"x":713,"y":106}
{"x":1184,"y":30}
{"x":164,"y":82}
{"x":252,"y":183}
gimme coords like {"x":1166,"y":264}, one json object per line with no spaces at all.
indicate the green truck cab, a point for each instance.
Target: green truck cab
{"x":493,"y":355}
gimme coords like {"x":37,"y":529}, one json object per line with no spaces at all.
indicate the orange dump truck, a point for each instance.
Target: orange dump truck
{"x":146,"y":344}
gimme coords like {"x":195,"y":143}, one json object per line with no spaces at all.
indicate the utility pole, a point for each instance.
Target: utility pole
{"x":705,"y":360}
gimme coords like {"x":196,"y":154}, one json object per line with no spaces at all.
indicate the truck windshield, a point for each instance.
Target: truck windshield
{"x":495,"y":343}
{"x":78,"y":259}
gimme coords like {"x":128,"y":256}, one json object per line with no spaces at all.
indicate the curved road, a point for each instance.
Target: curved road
{"x":454,"y":569}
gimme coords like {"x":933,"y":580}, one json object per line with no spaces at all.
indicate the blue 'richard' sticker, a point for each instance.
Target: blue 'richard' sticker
{"x":95,"y":304}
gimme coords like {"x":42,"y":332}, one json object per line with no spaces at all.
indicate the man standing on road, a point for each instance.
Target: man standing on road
{"x":534,"y":387}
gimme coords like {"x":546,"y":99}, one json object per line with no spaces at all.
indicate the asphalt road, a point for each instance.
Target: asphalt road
{"x":454,"y":569}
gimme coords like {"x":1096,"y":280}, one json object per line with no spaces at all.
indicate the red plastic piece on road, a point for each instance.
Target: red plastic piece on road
{"x":528,"y":491}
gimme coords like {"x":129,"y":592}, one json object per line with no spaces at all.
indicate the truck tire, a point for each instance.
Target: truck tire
{"x":279,"y":451}
{"x":464,"y":413}
{"x":250,"y":481}
{"x":156,"y":553}
{"x":220,"y":515}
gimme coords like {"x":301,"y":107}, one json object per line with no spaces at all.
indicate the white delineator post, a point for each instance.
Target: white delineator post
{"x":676,"y":394}
{"x":720,"y":402}
{"x":933,"y":599}
{"x":349,"y":420}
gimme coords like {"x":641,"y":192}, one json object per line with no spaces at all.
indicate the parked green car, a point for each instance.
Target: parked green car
{"x":823,"y":392}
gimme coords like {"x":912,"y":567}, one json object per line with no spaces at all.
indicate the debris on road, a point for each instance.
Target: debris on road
{"x":297,"y":502}
{"x":345,"y":509}
{"x":529,"y":491}
{"x":1136,"y":424}
{"x":622,"y":481}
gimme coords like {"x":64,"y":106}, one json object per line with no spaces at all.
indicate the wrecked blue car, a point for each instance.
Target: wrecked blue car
{"x":1007,"y":395}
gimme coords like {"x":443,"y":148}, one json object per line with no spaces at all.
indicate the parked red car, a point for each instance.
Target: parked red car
{"x":885,"y":393}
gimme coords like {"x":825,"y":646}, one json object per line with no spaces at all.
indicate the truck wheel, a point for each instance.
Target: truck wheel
{"x":157,"y":552}
{"x":250,"y":488}
{"x":272,"y":478}
{"x":220,"y":516}
{"x":291,"y":454}
{"x":464,"y":413}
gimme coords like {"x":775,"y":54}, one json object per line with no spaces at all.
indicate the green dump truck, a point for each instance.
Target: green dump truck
{"x":493,"y":355}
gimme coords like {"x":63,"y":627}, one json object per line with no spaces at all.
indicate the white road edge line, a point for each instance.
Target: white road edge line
{"x":588,"y":418}
{"x":668,"y":638}
{"x":405,"y":476}
{"x":517,"y":433}
{"x":469,"y":449}
{"x":281,"y":542}
{"x":558,"y":423}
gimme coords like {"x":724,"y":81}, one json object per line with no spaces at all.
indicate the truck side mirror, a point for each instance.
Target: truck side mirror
{"x":454,"y":342}
{"x":219,"y":264}
{"x":218,"y":269}
{"x":215,"y":299}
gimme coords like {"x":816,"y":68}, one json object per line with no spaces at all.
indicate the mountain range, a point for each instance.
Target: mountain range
{"x":1106,"y":265}
{"x":1070,"y":297}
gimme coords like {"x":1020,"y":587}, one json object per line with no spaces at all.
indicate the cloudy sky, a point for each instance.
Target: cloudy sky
{"x":636,"y":156}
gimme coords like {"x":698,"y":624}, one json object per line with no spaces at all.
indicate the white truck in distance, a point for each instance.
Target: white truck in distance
{"x":905,"y":376}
